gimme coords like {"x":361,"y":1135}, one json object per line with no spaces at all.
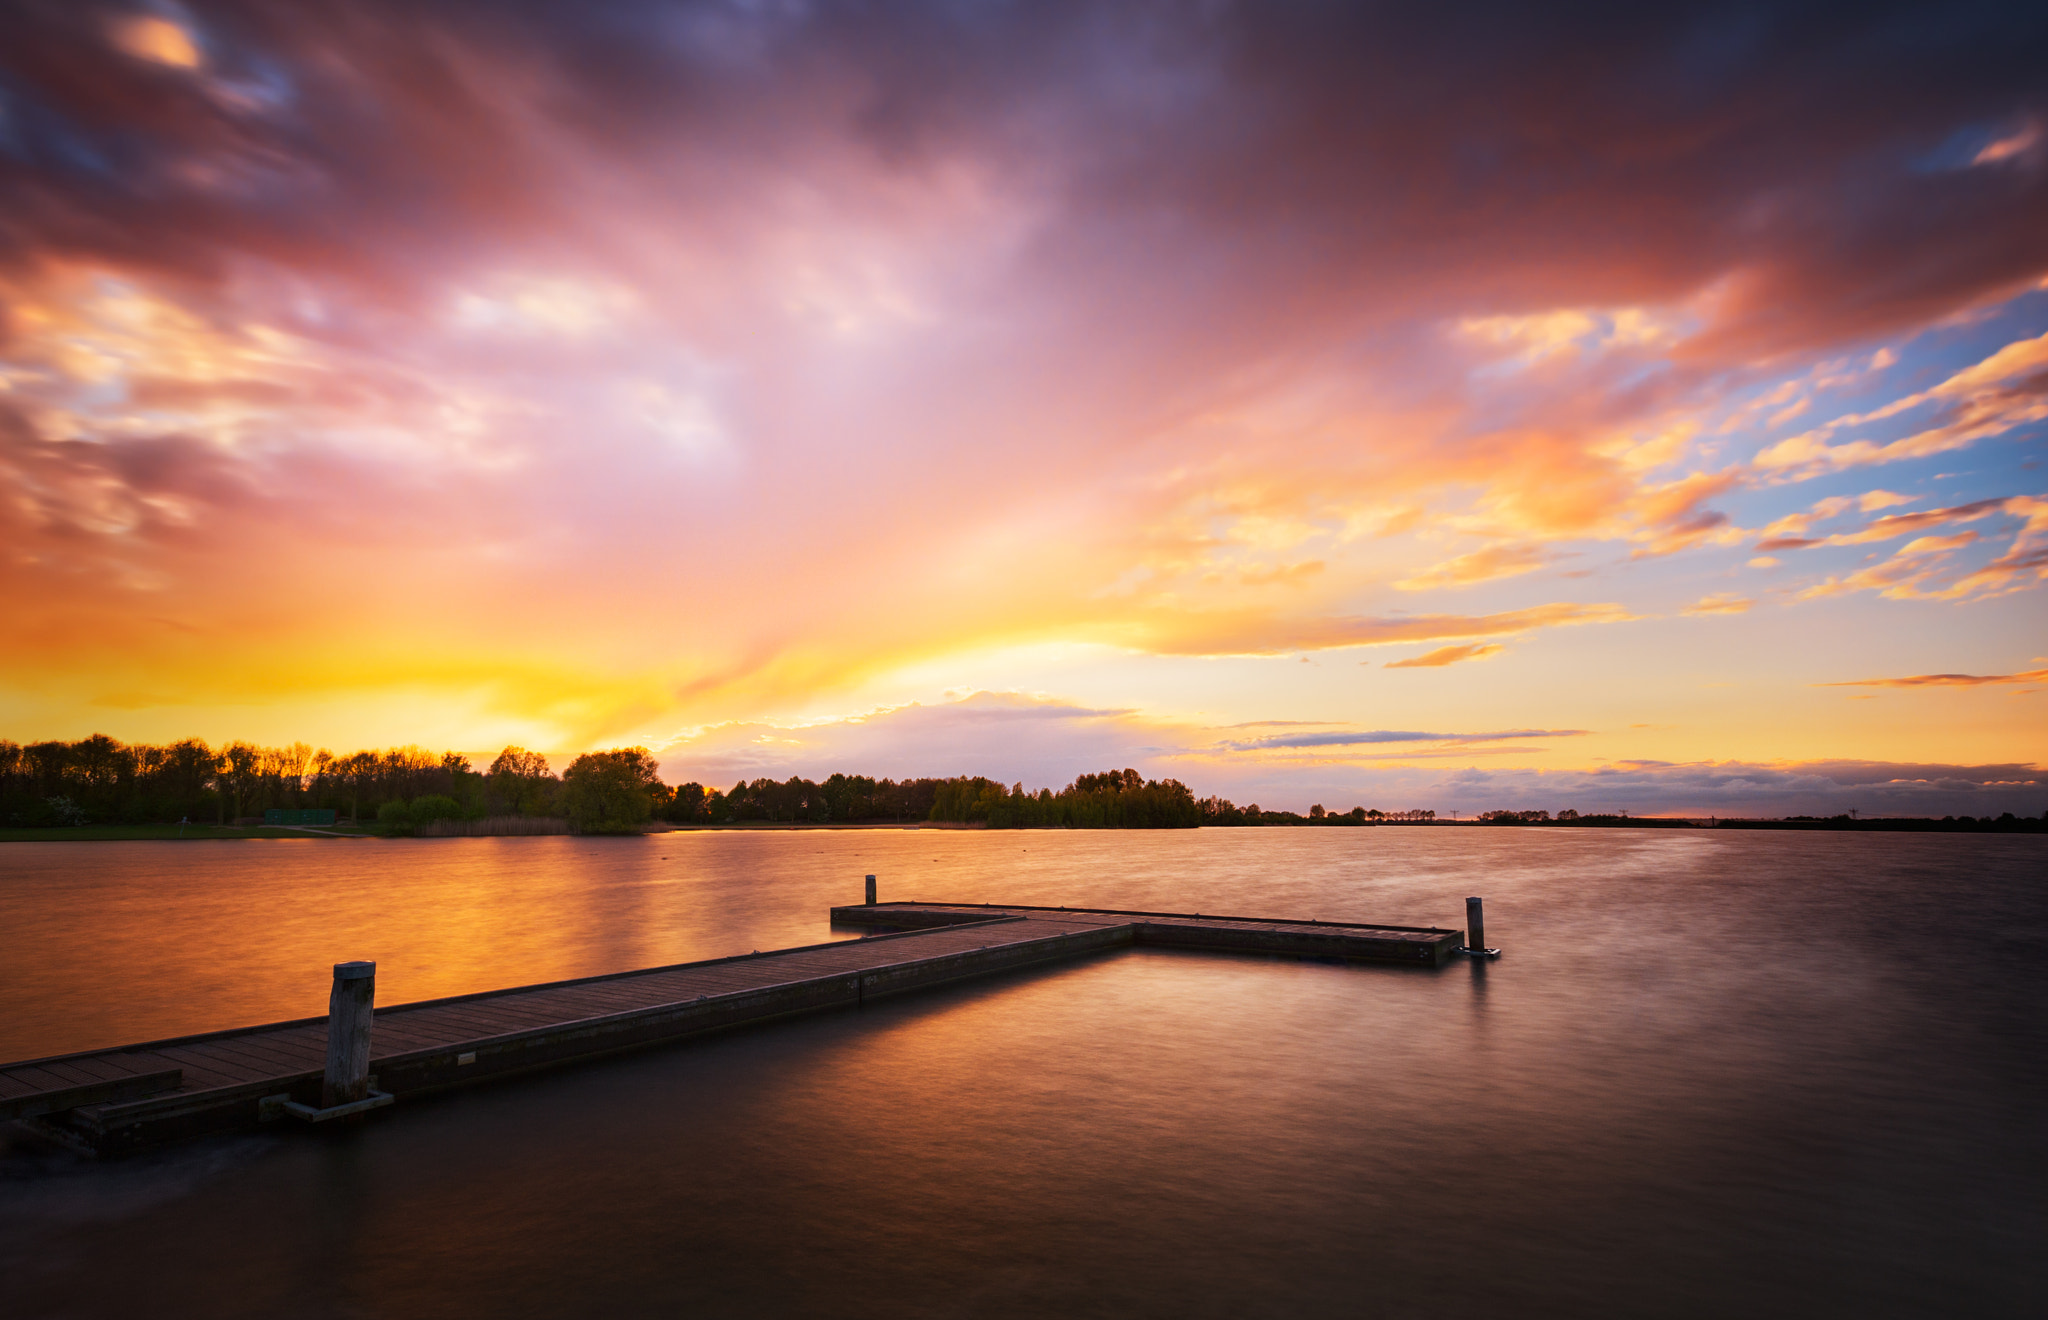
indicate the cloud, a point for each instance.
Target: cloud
{"x":1697,"y":789}
{"x":2009,"y":147}
{"x":711,"y":365}
{"x":1007,"y":735}
{"x":1921,"y":569}
{"x":1281,"y":573}
{"x":1446,"y":655}
{"x":1495,"y":561}
{"x":1903,"y":524}
{"x":1378,"y":631}
{"x":156,"y":39}
{"x":1721,"y":602}
{"x":1045,"y":743}
{"x":1789,"y":532}
{"x":1674,"y":517}
{"x":2006,"y":390}
{"x":1946,"y":680}
{"x":1345,"y":739}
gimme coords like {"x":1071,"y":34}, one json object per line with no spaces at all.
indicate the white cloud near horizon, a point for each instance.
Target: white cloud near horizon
{"x":1042,"y":742}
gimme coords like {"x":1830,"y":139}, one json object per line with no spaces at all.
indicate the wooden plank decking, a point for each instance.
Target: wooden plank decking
{"x":119,"y":1099}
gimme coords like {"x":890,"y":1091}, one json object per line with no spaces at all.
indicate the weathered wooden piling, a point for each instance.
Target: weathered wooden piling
{"x":871,"y":891}
{"x":349,"y":1015}
{"x":1475,"y":930}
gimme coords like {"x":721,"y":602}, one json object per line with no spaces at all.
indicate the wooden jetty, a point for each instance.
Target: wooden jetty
{"x":117,"y":1100}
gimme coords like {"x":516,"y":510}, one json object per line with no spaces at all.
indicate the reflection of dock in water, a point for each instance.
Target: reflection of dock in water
{"x":131,"y":1096}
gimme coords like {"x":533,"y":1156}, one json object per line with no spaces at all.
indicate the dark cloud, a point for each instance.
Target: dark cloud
{"x":1307,"y":163}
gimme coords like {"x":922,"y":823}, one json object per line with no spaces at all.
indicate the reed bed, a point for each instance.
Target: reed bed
{"x":492,"y":825}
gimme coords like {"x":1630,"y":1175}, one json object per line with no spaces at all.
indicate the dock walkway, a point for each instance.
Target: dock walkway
{"x":114,"y":1100}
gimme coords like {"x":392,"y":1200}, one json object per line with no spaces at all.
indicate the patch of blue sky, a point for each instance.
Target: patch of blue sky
{"x":1966,"y":146}
{"x":258,"y":85}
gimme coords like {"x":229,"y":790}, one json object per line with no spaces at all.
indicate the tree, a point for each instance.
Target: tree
{"x":244,"y":768}
{"x":610,"y":792}
{"x":521,"y":781}
{"x":357,"y":773}
{"x":435,"y":806}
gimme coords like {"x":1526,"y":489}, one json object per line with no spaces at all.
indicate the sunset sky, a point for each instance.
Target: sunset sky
{"x":1441,"y":406}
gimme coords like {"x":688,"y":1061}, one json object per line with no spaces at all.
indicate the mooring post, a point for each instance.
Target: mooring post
{"x":348,"y":1034}
{"x":871,"y":891}
{"x":1475,"y":930}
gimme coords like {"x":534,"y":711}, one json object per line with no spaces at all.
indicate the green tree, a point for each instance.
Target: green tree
{"x":435,"y":806}
{"x":520,"y":781}
{"x":356,"y":774}
{"x":610,"y":792}
{"x":243,"y":770}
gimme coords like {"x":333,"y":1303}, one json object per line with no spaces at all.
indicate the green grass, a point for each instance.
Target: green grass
{"x":102,"y":833}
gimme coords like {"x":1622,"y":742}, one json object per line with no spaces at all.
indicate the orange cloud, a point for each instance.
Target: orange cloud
{"x":1723,"y":602}
{"x":1446,"y":655}
{"x":1915,"y":571}
{"x":156,"y":39}
{"x":1281,"y":573}
{"x":1901,"y":524}
{"x":1946,"y":680}
{"x":1497,"y":561}
{"x":1260,"y":634}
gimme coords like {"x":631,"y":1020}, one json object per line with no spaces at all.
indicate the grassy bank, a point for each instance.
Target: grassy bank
{"x":103,"y":833}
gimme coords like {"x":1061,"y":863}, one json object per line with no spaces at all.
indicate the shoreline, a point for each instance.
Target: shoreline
{"x":243,"y":833}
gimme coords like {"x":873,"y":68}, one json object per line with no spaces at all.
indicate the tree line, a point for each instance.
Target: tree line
{"x":100,"y":780}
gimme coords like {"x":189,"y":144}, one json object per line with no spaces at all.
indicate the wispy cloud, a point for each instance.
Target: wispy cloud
{"x":1446,"y":655}
{"x":1498,"y":561}
{"x":1945,"y":680}
{"x":1344,"y":739}
{"x":2006,"y":390}
{"x":1721,"y":602}
{"x":1924,"y":568}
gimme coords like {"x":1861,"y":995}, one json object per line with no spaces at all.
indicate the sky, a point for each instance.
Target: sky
{"x":1614,"y":407}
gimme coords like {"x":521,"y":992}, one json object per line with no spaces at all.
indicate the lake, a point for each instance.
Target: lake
{"x":1713,"y":1073}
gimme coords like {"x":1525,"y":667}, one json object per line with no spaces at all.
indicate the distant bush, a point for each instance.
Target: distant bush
{"x":395,"y":817}
{"x":426,"y":810}
{"x":492,"y":825}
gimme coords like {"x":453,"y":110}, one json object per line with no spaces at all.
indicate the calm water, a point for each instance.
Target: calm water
{"x":1713,"y":1075}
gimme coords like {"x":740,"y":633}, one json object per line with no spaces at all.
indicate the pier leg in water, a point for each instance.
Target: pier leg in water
{"x":871,"y":891}
{"x":348,"y":1034}
{"x":1475,"y":930}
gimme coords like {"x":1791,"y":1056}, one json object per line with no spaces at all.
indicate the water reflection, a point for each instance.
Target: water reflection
{"x":1476,"y":970}
{"x":1710,"y":1076}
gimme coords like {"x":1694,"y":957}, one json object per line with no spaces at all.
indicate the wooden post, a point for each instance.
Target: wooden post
{"x":348,"y":1034}
{"x":1475,"y":926}
{"x":871,"y":891}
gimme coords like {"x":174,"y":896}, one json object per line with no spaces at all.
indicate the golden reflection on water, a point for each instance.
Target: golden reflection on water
{"x":1709,"y":1069}
{"x":111,"y":943}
